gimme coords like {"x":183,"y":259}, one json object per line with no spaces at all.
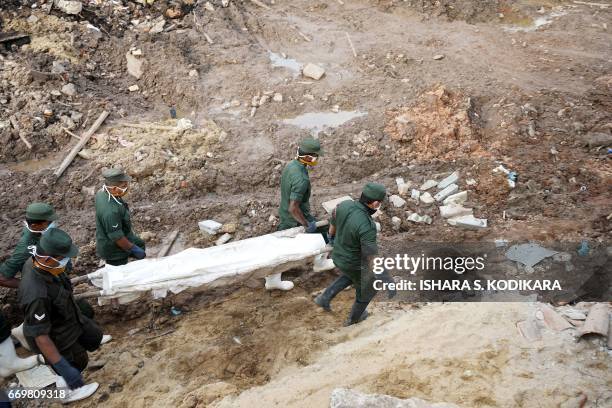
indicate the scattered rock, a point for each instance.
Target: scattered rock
{"x":446,"y":192}
{"x":396,"y":222}
{"x":454,"y":210}
{"x":346,"y":398}
{"x":426,"y":198}
{"x":428,"y":184}
{"x":451,"y":179}
{"x":229,"y":228}
{"x":278,"y":97}
{"x":69,"y":7}
{"x":133,"y":88}
{"x":438,"y":57}
{"x":414,"y":217}
{"x":594,"y":139}
{"x":313,"y":71}
{"x":210,"y":227}
{"x":134,"y":65}
{"x":397,"y":201}
{"x":69,"y":89}
{"x":223,"y":239}
{"x":459,"y":198}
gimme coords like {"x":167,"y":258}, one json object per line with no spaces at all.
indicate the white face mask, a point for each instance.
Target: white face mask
{"x":61,"y":262}
{"x":52,"y":225}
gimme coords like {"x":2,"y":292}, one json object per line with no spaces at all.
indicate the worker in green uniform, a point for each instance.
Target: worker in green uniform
{"x":40,"y":217}
{"x":294,"y":207}
{"x":115,"y":239}
{"x":353,"y":236}
{"x":53,"y":323}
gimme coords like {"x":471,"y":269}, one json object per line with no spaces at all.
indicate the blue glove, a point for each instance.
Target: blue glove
{"x":330,"y":239}
{"x":311,"y":227}
{"x":137,"y":252}
{"x":71,"y":375}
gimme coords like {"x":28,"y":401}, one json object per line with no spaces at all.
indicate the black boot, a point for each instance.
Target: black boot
{"x":336,"y":287}
{"x":358,"y":313}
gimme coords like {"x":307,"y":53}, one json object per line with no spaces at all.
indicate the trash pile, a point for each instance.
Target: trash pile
{"x":441,"y":124}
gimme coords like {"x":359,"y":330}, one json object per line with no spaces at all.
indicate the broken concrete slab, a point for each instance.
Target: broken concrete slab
{"x":313,"y":71}
{"x":528,"y":254}
{"x":347,"y":398}
{"x":597,"y":321}
{"x":428,"y":184}
{"x":459,"y":198}
{"x":448,"y":190}
{"x":397,"y":201}
{"x":454,"y":210}
{"x":210,"y":227}
{"x":134,"y":65}
{"x":426,"y":198}
{"x":468,"y":221}
{"x":552,"y":319}
{"x":330,"y":206}
{"x":453,"y":178}
{"x":414,"y":217}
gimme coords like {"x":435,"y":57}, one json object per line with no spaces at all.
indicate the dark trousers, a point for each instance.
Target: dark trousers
{"x":363,"y":295}
{"x":117,"y":262}
{"x":89,"y":340}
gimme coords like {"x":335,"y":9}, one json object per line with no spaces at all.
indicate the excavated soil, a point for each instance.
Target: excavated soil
{"x":525,"y":84}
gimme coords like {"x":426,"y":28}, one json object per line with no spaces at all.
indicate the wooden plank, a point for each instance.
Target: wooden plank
{"x":76,"y":149}
{"x":166,"y":248}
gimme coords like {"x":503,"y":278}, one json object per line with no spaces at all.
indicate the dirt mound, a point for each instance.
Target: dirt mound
{"x":439,"y":125}
{"x":168,"y":155}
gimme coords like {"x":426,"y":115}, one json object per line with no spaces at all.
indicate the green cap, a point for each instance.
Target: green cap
{"x":56,"y":242}
{"x":40,"y":212}
{"x":310,"y":145}
{"x":115,"y":175}
{"x":374,"y":191}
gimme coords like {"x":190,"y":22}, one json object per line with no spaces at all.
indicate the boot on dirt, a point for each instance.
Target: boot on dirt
{"x":275,"y":282}
{"x":358,"y":313}
{"x":10,"y":363}
{"x":328,"y":294}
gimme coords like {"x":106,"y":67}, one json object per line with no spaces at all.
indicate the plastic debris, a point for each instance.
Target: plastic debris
{"x":584,"y":249}
{"x":512,"y":175}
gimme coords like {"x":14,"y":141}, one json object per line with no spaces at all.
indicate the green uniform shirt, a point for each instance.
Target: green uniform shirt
{"x":295,"y":185}
{"x":112,"y":223}
{"x":48,"y":308}
{"x":20,"y":254}
{"x":355,"y":238}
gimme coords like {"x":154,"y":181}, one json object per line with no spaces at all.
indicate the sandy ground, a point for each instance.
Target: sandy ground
{"x":525,"y":84}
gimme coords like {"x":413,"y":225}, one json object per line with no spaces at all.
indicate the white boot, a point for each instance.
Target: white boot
{"x":10,"y":363}
{"x":17,"y":333}
{"x":77,"y":394}
{"x":275,"y":282}
{"x":322,"y":263}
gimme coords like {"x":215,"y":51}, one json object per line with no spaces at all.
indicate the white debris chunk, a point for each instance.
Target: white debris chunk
{"x":426,"y":198}
{"x":396,"y":222}
{"x":454,"y":210}
{"x":330,"y":205}
{"x":414,"y":217}
{"x":223,"y":239}
{"x":452,"y":179}
{"x":428,"y":184}
{"x":402,"y":186}
{"x":459,"y":198}
{"x":69,"y":7}
{"x":210,"y":227}
{"x":397,"y":201}
{"x":313,"y":71}
{"x":415,"y":194}
{"x":468,"y":221}
{"x":452,"y":189}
